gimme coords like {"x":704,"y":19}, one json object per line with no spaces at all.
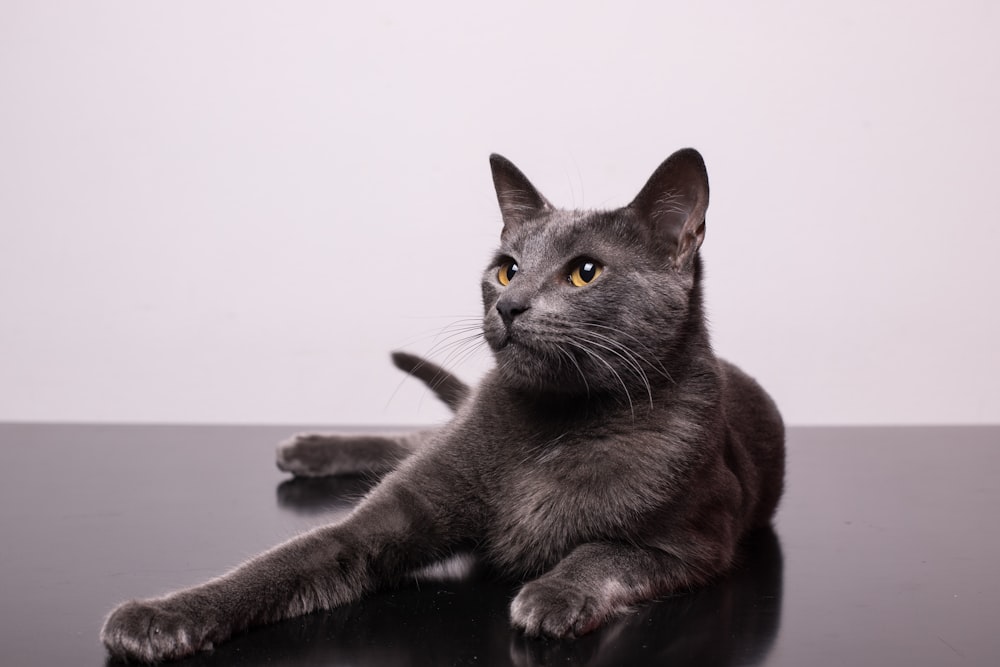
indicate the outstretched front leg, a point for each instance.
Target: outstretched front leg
{"x":599,"y":581}
{"x":412,"y":519}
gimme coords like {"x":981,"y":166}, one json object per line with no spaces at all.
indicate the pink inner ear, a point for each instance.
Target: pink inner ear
{"x":689,"y":243}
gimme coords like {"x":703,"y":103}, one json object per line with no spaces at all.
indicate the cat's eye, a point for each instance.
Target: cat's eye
{"x":507,"y":272}
{"x":585,"y":272}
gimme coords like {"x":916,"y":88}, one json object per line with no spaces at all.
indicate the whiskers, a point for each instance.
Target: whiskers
{"x":550,"y":353}
{"x":595,"y":355}
{"x":654,"y":363}
{"x":457,"y":341}
{"x":629,"y":363}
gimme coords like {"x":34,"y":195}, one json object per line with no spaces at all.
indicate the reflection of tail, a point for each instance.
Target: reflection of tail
{"x":446,"y":386}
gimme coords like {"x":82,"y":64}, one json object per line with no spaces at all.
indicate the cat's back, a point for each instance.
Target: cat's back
{"x":755,"y":439}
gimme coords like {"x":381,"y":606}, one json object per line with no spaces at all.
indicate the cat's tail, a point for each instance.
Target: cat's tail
{"x":445,"y":386}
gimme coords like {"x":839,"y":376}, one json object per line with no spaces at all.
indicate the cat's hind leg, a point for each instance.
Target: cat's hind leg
{"x":321,"y":454}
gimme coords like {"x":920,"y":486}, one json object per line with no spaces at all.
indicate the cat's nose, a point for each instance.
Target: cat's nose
{"x":509,"y":309}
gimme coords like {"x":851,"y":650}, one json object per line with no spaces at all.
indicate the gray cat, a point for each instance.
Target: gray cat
{"x":609,"y":458}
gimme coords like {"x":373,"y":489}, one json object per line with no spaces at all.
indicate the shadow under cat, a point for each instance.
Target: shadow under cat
{"x":467,"y":622}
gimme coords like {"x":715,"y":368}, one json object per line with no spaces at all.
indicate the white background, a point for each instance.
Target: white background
{"x":232,"y":211}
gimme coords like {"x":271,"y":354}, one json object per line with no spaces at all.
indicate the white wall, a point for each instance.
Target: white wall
{"x":231,"y":211}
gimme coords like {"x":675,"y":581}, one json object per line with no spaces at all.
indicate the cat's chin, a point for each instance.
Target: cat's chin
{"x":525,"y":368}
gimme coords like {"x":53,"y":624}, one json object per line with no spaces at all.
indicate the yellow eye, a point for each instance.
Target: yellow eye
{"x":507,"y":272}
{"x":585,"y":272}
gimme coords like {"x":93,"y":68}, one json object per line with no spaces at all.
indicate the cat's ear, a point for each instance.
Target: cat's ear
{"x":674,"y":201}
{"x":518,"y":198}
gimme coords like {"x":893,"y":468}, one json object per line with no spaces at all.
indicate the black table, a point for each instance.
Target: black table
{"x":884,"y":553}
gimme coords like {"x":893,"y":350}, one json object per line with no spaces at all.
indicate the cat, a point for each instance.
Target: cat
{"x":607,"y":459}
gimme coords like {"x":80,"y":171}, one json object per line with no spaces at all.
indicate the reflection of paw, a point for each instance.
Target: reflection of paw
{"x":149,"y":631}
{"x":554,"y":608}
{"x":527,"y":651}
{"x":305,"y":455}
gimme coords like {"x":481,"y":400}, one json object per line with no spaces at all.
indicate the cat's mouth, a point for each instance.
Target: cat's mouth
{"x":506,"y":340}
{"x":522,"y":346}
{"x":509,"y":339}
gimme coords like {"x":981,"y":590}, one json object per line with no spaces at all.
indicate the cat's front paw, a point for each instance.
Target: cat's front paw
{"x":150,"y":631}
{"x":555,"y":609}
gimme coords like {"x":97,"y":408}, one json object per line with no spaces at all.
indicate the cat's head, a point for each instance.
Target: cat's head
{"x":595,"y":301}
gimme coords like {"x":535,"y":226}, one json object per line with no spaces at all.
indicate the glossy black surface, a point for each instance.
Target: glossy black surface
{"x":884,"y":553}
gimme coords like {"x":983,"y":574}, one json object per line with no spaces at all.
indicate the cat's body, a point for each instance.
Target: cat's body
{"x":609,"y":458}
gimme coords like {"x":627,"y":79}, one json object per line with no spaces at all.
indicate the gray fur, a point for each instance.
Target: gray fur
{"x":608,"y":458}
